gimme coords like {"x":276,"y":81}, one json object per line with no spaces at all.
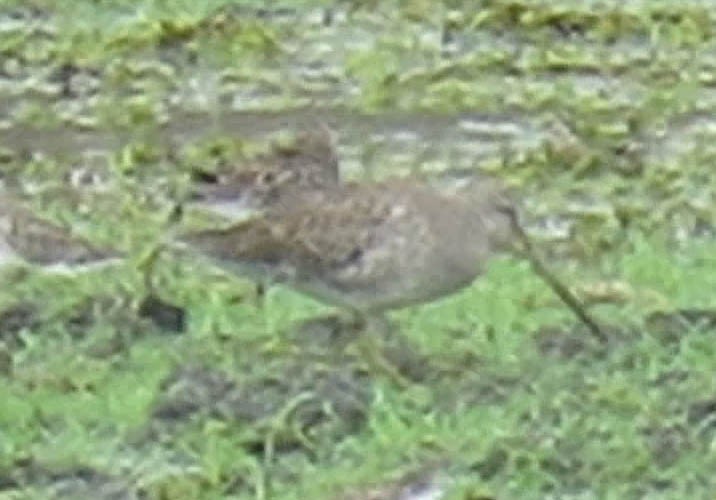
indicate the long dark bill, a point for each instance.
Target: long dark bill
{"x":562,"y":292}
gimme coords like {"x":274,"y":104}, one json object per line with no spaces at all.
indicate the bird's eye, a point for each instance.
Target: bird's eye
{"x":268,"y":177}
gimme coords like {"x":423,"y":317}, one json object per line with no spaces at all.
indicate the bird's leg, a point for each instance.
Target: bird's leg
{"x":372,"y":331}
{"x":146,"y":263}
{"x":146,"y":266}
{"x":260,"y":300}
{"x":260,"y":295}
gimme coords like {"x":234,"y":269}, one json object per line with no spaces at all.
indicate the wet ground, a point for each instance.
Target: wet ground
{"x":599,"y":113}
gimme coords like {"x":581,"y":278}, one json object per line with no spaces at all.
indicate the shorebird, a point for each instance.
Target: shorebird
{"x":28,"y":238}
{"x":366,"y":247}
{"x":369,"y":248}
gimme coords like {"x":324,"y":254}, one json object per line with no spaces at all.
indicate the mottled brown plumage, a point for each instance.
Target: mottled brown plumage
{"x":274,"y":179}
{"x":26,"y":237}
{"x":369,"y":247}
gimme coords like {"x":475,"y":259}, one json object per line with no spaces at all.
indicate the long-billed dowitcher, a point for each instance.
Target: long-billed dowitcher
{"x":26,"y":237}
{"x":369,"y":248}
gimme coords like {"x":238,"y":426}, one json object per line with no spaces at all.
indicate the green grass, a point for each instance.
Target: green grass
{"x":506,"y":417}
{"x":511,"y":400}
